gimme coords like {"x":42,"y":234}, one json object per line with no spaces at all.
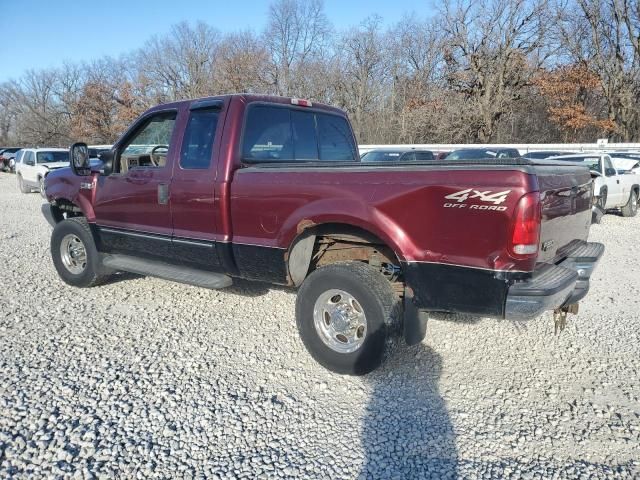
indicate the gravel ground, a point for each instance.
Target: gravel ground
{"x":145,"y":378}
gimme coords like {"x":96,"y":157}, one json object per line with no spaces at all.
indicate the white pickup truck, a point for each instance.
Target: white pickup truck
{"x":35,"y":164}
{"x":612,"y":190}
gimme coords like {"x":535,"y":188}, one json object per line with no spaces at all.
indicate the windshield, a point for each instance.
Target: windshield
{"x":592,"y":162}
{"x":50,"y":157}
{"x":381,"y":156}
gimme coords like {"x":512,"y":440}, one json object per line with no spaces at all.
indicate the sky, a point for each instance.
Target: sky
{"x":45,"y":33}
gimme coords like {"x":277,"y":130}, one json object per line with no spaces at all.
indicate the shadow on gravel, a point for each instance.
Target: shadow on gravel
{"x":455,"y":317}
{"x":121,"y":277}
{"x":407,"y":432}
{"x":249,"y":288}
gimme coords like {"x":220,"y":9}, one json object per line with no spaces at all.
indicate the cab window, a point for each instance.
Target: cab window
{"x":197,"y":145}
{"x":149,"y":145}
{"x":609,"y":171}
{"x":279,"y":134}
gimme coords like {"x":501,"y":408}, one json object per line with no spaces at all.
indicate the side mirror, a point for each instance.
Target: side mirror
{"x":31,"y":163}
{"x":79,"y":156}
{"x":609,"y":172}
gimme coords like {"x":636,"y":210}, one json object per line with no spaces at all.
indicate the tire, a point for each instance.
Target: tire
{"x":631,"y":208}
{"x":41,"y":187}
{"x":369,"y":299}
{"x":21,"y":185}
{"x":602,"y":200}
{"x":71,"y":235}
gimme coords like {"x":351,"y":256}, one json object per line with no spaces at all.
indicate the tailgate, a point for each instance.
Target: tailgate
{"x":565,"y":193}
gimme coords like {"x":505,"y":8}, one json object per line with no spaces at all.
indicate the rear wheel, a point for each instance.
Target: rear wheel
{"x":75,"y":255}
{"x":631,"y":208}
{"x":345,"y":313}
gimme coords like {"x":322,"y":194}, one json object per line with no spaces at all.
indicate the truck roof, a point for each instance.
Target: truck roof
{"x":250,"y":98}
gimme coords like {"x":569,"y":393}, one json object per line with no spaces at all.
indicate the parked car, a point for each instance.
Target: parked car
{"x":14,"y":161}
{"x":397,"y":155}
{"x":542,"y":154}
{"x":612,"y":190}
{"x":36,"y":163}
{"x":272,"y":189}
{"x":482,"y":153}
{"x":630,"y":155}
{"x":6,"y":157}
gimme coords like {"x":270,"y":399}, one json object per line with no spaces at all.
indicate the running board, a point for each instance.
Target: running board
{"x":166,"y":271}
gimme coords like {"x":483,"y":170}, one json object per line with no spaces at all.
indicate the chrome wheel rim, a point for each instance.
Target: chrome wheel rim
{"x":73,"y":254}
{"x":634,"y":203}
{"x":340,"y":321}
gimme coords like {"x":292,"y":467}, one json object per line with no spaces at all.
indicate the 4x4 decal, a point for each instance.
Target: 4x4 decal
{"x":487,"y":196}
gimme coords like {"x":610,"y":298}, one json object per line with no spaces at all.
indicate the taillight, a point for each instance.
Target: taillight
{"x":525,"y":235}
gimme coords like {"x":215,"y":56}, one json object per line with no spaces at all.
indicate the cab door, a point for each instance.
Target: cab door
{"x":28,"y":169}
{"x":193,"y":202}
{"x":132,"y":204}
{"x":612,"y":181}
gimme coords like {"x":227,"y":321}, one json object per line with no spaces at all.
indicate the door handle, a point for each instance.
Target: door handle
{"x":163,"y":194}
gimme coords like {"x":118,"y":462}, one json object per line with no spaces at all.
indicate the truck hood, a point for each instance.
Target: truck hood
{"x":55,"y":165}
{"x":624,"y":163}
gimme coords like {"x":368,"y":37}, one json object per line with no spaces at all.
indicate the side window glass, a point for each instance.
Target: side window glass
{"x":197,"y":145}
{"x":608,"y":167}
{"x":29,"y":158}
{"x":267,"y":135}
{"x":149,"y":145}
{"x":304,"y":135}
{"x":424,"y":156}
{"x":335,"y":139}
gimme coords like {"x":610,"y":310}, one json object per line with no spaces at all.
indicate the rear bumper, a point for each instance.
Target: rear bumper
{"x":554,"y":286}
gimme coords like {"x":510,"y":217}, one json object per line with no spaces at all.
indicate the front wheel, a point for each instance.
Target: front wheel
{"x":631,"y":208}
{"x":41,"y":187}
{"x":22,"y":186}
{"x":74,"y":253}
{"x":345,"y":313}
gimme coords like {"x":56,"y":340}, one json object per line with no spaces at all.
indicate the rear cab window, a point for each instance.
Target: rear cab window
{"x":197,"y":144}
{"x":284,"y":134}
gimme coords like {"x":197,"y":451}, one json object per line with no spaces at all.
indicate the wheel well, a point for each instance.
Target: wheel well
{"x":320,"y":245}
{"x":68,"y":208}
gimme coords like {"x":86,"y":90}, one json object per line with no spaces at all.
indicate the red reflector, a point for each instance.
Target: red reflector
{"x":301,"y":102}
{"x":526,"y":226}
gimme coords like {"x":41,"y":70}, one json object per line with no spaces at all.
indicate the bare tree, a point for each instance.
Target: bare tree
{"x":606,"y":35}
{"x":297,"y":30}
{"x":181,"y":64}
{"x":492,"y":50}
{"x":363,"y":72}
{"x":242,"y":64}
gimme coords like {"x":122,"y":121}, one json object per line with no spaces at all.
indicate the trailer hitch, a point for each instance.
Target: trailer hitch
{"x":560,"y":317}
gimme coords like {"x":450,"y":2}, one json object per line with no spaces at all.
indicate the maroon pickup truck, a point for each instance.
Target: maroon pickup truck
{"x":272,"y":189}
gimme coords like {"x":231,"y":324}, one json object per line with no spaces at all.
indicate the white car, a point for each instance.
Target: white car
{"x":613,"y":190}
{"x":36,"y":163}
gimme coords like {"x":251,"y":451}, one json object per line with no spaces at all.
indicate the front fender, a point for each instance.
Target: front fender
{"x":63,"y":186}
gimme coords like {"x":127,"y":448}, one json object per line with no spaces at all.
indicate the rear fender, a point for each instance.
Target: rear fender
{"x":347,"y":212}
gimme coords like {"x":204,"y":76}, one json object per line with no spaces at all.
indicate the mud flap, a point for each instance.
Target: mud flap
{"x":415,"y":320}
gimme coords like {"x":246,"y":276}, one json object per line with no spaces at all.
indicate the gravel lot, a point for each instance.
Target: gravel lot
{"x":145,"y":378}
